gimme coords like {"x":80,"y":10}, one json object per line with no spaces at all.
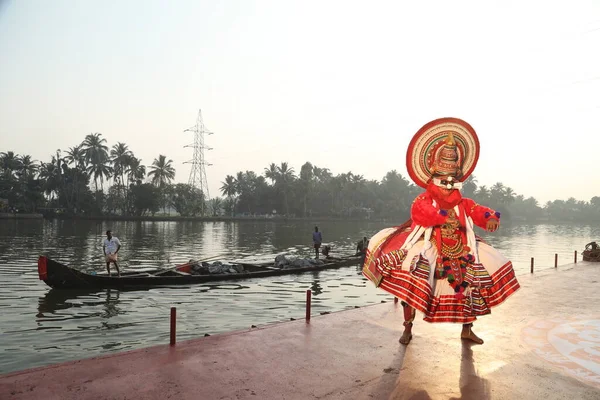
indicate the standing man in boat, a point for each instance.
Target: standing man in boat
{"x":110,"y":247}
{"x":434,"y":262}
{"x":361,"y":246}
{"x":361,"y":249}
{"x":317,"y":240}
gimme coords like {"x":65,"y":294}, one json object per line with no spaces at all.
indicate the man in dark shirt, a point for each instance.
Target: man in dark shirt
{"x":317,"y":240}
{"x":361,"y":246}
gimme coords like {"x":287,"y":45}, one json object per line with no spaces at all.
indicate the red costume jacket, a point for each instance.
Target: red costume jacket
{"x":448,"y":229}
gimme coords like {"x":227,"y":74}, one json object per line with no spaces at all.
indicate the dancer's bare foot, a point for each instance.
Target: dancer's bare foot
{"x":467,"y":334}
{"x":406,"y":335}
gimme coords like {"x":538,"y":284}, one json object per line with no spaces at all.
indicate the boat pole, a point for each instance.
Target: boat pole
{"x":173,"y":326}
{"x":555,"y":260}
{"x":308,"y":296}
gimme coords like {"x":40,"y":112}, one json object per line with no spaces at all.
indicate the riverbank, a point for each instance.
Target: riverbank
{"x":20,"y":216}
{"x":537,"y":346}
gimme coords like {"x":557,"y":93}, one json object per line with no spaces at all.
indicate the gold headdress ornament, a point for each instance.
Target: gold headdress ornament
{"x":450,"y":141}
{"x":447,"y":162}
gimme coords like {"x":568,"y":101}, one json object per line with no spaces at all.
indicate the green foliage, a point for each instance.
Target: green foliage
{"x":187,"y":200}
{"x":65,"y":183}
{"x":318,"y":193}
{"x":146,"y":199}
{"x":216,"y":206}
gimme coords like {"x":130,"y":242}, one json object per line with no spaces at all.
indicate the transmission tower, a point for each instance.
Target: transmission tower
{"x":198,"y":171}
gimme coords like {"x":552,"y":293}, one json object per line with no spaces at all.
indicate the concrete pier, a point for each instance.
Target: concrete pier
{"x":543,"y":343}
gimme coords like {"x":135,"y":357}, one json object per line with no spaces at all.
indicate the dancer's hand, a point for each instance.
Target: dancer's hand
{"x":492,"y":225}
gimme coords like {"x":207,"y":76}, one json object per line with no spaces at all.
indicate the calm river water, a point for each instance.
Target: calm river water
{"x":40,"y":326}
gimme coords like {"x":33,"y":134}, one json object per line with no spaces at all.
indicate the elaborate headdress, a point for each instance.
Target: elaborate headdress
{"x":445,"y":147}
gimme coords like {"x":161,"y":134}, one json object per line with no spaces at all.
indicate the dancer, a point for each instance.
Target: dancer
{"x":434,"y":262}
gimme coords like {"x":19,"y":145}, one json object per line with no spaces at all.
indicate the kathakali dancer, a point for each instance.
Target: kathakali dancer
{"x":434,"y":262}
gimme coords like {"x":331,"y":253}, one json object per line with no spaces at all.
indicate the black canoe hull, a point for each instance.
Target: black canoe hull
{"x":60,"y":276}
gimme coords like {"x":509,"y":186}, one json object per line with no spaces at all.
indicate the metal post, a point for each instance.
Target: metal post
{"x":575,"y":256}
{"x":532,"y":265}
{"x":555,"y":260}
{"x":173,"y":320}
{"x":308,"y":296}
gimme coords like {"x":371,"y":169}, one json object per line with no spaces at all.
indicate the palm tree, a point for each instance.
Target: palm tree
{"x":322,"y":174}
{"x":356,"y":186}
{"x":509,"y":195}
{"x":27,"y":167}
{"x":498,"y":194}
{"x":215,"y":205}
{"x":100,"y":170}
{"x":54,"y":173}
{"x":9,"y":163}
{"x":229,"y":188}
{"x":137,"y":171}
{"x":96,"y":154}
{"x":121,"y":158}
{"x":284,"y":180}
{"x":48,"y":176}
{"x":162,"y":173}
{"x":76,"y":155}
{"x":306,"y":183}
{"x":482,"y":195}
{"x":469,"y":186}
{"x":272,"y":173}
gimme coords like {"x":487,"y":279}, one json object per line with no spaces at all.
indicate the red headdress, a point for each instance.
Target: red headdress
{"x":445,"y":147}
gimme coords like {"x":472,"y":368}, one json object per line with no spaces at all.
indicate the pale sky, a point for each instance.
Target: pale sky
{"x":342,"y":84}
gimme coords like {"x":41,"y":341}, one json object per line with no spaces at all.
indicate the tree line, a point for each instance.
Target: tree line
{"x":316,"y":192}
{"x":95,"y":180}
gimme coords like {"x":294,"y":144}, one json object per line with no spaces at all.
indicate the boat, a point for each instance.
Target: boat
{"x":591,"y":252}
{"x":61,"y":276}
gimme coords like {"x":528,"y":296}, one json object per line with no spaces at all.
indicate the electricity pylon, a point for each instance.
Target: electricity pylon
{"x":198,"y":171}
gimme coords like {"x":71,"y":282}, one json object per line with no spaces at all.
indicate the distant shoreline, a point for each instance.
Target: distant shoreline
{"x":208,"y":219}
{"x":20,"y":216}
{"x":166,"y":218}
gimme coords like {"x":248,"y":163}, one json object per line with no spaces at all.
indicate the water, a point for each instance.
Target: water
{"x":40,"y":326}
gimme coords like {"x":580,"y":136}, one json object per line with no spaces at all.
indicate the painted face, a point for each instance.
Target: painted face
{"x":447,"y":182}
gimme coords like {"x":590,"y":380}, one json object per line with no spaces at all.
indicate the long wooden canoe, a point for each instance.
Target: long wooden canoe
{"x":60,"y":276}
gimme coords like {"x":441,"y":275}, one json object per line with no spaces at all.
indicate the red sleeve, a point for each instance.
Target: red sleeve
{"x":480,"y":214}
{"x":424,"y":213}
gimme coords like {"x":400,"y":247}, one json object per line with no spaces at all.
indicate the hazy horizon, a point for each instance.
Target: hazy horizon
{"x":338,"y":84}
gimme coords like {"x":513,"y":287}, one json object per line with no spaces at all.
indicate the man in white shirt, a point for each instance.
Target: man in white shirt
{"x":111,"y":246}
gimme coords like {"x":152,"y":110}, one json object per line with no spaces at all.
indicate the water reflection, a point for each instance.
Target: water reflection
{"x":57,"y":300}
{"x":110,"y":304}
{"x":315,"y":286}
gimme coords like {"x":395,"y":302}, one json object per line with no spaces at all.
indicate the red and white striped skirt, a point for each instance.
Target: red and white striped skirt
{"x":410,"y":278}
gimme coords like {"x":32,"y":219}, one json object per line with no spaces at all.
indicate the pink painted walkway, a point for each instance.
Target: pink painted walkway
{"x":543,"y":343}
